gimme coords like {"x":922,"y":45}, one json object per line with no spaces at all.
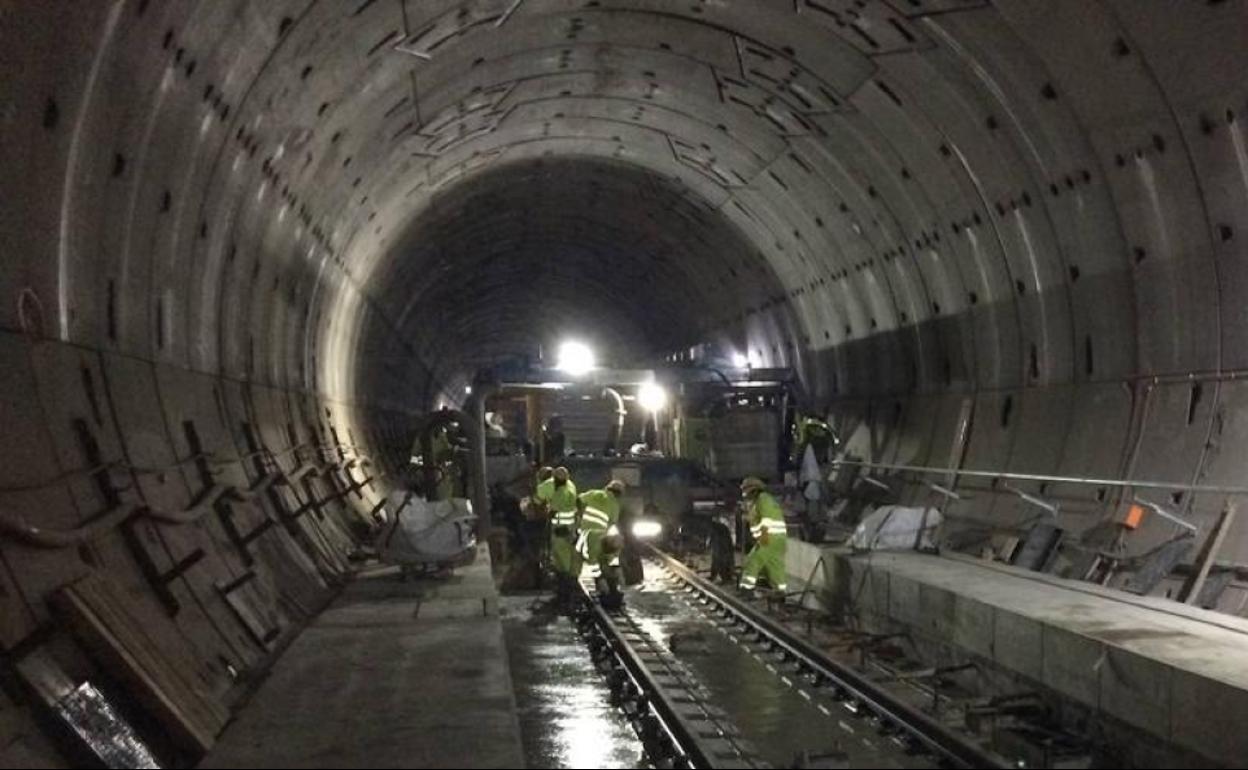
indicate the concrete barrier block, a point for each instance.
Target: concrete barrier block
{"x":1072,"y":664}
{"x":1136,"y":690}
{"x":1018,"y":644}
{"x":937,"y":612}
{"x":974,"y":626}
{"x":1207,"y":716}
{"x":800,"y":561}
{"x":867,"y":590}
{"x":903,"y":600}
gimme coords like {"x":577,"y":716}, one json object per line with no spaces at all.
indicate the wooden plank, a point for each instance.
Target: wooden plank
{"x":312,"y":539}
{"x":180,"y":668}
{"x":1208,"y":553}
{"x":120,"y":662}
{"x":298,"y":581}
{"x":161,"y":679}
{"x":331,"y":562}
{"x":251,"y":616}
{"x":160,"y":663}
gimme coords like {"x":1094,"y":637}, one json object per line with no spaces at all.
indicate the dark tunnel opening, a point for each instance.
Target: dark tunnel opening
{"x":511,"y":262}
{"x":250,"y":247}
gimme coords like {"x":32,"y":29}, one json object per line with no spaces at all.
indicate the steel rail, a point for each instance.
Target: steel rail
{"x":683,"y":744}
{"x":924,"y":731}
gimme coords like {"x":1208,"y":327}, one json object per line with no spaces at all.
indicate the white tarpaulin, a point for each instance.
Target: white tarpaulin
{"x":897,"y":528}
{"x":423,"y":532}
{"x":812,"y":476}
{"x":810,"y":466}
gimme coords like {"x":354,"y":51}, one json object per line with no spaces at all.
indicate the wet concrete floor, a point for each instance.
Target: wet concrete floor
{"x":566,"y":718}
{"x":394,"y":674}
{"x":778,"y":719}
{"x":776,"y":714}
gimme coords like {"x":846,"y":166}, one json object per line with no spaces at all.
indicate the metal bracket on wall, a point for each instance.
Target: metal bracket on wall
{"x":265,"y":636}
{"x":225,"y":514}
{"x":159,"y":580}
{"x":242,"y":541}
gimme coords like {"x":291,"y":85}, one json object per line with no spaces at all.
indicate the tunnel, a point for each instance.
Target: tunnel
{"x":250,"y":247}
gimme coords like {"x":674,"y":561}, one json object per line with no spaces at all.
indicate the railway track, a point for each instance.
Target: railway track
{"x":710,"y":681}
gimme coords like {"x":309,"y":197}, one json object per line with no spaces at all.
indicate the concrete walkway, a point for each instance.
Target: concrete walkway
{"x":393,"y":674}
{"x":1178,"y":672}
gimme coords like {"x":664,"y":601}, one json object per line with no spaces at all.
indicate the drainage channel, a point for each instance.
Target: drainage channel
{"x":708,"y":681}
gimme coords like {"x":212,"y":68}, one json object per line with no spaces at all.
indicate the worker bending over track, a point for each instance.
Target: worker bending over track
{"x":766,"y":520}
{"x":600,"y":542}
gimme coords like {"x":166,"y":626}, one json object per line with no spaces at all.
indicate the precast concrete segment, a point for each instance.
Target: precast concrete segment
{"x":1142,"y":661}
{"x":1004,"y":234}
{"x":1027,"y":210}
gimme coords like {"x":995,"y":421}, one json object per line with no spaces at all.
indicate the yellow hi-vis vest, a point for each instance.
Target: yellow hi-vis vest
{"x":766,"y":515}
{"x":560,"y":500}
{"x":602,"y":509}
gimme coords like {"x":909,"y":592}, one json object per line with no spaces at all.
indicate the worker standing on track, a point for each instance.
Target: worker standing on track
{"x":766,"y":519}
{"x":600,"y":542}
{"x":558,"y":496}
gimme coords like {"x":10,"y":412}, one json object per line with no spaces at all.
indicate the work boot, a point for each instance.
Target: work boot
{"x":562,"y":594}
{"x":612,"y":600}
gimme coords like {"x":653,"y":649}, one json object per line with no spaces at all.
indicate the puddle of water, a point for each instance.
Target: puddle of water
{"x":566,"y":718}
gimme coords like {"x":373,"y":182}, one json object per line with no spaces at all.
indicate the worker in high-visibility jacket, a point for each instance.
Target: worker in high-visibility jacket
{"x":766,"y":520}
{"x":557,"y":495}
{"x":600,"y":542}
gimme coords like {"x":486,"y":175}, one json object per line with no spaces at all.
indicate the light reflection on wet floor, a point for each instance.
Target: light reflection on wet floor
{"x":566,"y":719}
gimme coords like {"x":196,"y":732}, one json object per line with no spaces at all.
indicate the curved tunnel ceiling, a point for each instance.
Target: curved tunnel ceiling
{"x":1038,"y":209}
{"x":524,"y":254}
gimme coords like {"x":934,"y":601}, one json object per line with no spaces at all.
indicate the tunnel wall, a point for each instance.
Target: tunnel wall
{"x":166,"y":427}
{"x":222,"y":512}
{"x":1016,"y":221}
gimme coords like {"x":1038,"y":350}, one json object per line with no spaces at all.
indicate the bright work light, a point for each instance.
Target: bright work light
{"x":575,"y":358}
{"x":652,"y":396}
{"x":647,"y":529}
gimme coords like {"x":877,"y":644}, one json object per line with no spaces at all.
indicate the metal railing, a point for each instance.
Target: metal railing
{"x":1169,"y":486}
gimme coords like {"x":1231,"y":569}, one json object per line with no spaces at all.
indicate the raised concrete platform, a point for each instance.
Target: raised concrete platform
{"x":1177,"y":672}
{"x":393,"y":674}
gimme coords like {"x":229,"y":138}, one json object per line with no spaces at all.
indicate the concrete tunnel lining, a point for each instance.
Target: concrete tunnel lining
{"x":305,"y":221}
{"x":951,"y":207}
